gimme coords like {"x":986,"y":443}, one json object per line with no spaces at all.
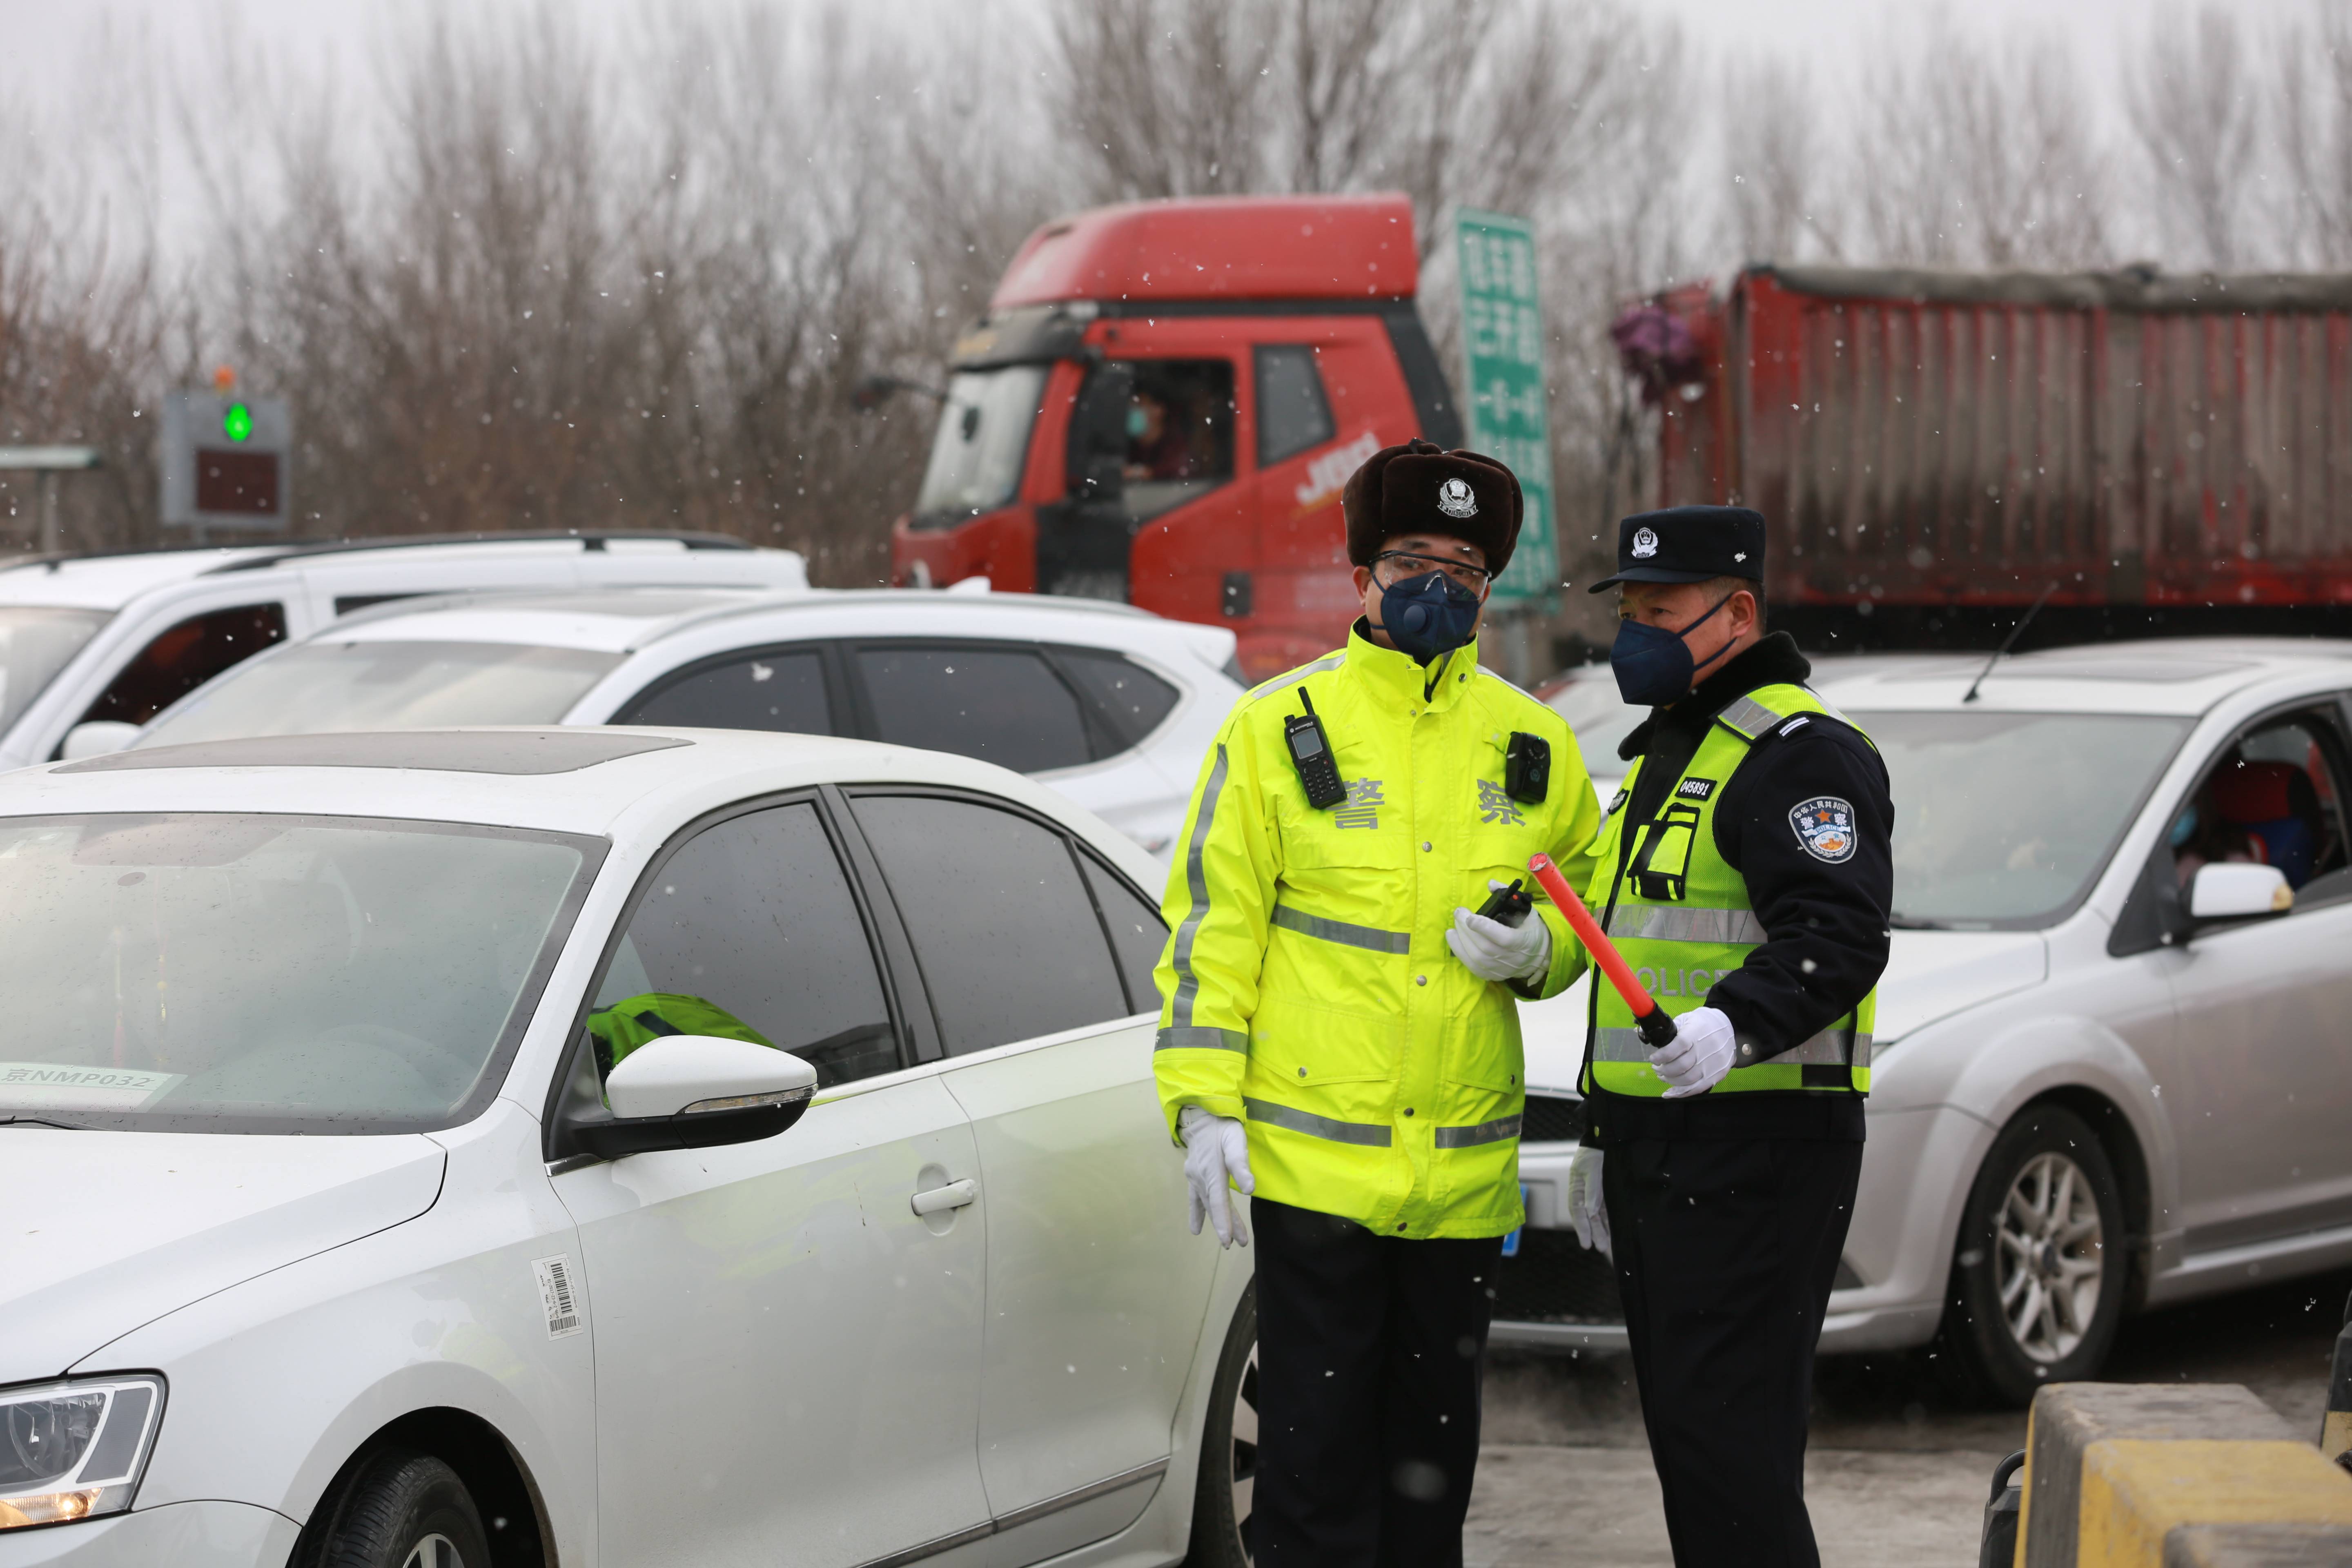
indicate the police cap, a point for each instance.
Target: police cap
{"x":1419,"y":488}
{"x":1688,"y":544}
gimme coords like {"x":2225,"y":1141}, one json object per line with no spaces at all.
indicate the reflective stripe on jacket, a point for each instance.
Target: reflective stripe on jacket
{"x":1307,"y":986}
{"x":1681,"y":915}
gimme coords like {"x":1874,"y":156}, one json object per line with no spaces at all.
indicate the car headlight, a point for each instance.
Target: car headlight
{"x":74,"y":1450}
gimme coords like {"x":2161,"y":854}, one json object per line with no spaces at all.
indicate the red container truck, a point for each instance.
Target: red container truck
{"x":1162,"y":405}
{"x":1936,"y":449}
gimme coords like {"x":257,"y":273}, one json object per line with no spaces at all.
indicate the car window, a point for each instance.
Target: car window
{"x":2271,"y":798}
{"x":226,"y":972}
{"x":1180,"y":433}
{"x":779,"y":692}
{"x":749,"y":932}
{"x":1003,"y":705}
{"x":36,"y":642}
{"x":1005,"y":930}
{"x":1971,"y":855}
{"x":1292,"y":412}
{"x":321,"y":687}
{"x":184,"y":657}
{"x":1132,"y":698}
{"x":1137,"y":932}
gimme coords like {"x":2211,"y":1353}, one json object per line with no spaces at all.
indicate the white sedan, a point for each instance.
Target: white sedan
{"x":1111,"y":706}
{"x":2111,"y":1068}
{"x":604,"y":1146}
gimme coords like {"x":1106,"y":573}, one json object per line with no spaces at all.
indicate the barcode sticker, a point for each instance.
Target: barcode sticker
{"x":555,"y":1293}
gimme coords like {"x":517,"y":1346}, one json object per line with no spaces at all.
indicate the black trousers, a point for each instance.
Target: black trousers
{"x":1725,"y":1252}
{"x":1370,"y":1351}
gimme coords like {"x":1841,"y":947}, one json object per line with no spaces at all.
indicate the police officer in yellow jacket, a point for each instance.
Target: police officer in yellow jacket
{"x":1338,"y":1032}
{"x":1744,"y":873}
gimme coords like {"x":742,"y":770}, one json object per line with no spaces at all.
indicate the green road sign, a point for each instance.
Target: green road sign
{"x":1503,"y":342}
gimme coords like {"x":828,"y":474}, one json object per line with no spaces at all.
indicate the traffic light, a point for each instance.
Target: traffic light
{"x":224,"y":460}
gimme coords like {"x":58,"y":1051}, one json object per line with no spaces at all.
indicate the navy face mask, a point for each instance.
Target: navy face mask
{"x":1653,"y":665}
{"x":1429,"y":615}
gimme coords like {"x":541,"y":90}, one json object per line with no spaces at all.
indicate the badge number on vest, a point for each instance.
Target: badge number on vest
{"x":1694,"y":789}
{"x":1824,"y":826}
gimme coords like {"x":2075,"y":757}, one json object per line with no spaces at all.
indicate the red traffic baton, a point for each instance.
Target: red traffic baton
{"x":1657,"y":1029}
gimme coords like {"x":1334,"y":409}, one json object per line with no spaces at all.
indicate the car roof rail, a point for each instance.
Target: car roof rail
{"x":590,"y":539}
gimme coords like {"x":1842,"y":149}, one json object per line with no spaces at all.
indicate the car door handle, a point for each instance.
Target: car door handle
{"x":954,"y":1195}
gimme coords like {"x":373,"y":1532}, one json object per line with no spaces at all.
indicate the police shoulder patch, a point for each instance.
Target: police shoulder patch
{"x":1825,"y":826}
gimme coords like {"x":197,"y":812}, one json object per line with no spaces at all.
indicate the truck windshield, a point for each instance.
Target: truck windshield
{"x":319,"y":687}
{"x":236,"y":973}
{"x":2002,"y":820}
{"x":983,"y":440}
{"x":35,"y":641}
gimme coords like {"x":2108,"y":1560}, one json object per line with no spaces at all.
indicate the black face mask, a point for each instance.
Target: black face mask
{"x":1653,"y":665}
{"x":1429,"y":615}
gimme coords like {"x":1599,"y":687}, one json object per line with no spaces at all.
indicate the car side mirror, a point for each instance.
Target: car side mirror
{"x":97,"y":739}
{"x":694,"y":1092}
{"x":2230,"y":892}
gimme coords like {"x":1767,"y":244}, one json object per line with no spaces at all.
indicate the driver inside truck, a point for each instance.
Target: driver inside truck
{"x":1157,"y":448}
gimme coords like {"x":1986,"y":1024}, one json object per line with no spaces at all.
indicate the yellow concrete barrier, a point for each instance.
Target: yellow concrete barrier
{"x":2175,"y":1476}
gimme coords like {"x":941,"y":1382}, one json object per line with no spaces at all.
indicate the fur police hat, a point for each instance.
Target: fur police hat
{"x":1418,"y":488}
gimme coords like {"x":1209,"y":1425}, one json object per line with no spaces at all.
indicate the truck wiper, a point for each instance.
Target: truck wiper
{"x":42,"y":1122}
{"x":1913,"y":923}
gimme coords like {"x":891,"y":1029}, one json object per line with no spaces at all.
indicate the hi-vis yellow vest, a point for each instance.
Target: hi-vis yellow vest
{"x":1307,"y":990}
{"x":1680,"y":914}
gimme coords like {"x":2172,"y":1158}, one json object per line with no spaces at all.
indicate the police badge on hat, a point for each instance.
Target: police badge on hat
{"x":1646,"y":544}
{"x":1456,"y":500}
{"x":1824,"y":826}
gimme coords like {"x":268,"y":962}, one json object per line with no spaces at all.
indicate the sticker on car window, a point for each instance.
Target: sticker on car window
{"x":24,"y":1086}
{"x":564,"y":1318}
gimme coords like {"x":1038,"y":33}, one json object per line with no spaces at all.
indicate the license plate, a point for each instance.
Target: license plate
{"x":1511,"y":1242}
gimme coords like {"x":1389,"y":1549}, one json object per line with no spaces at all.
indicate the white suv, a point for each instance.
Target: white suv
{"x":1111,"y":706}
{"x":114,"y":639}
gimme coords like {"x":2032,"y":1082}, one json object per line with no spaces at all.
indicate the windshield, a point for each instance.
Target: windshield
{"x":983,"y":440}
{"x":252,"y":973}
{"x":321,"y":687}
{"x":2003,"y":819}
{"x":34,"y":643}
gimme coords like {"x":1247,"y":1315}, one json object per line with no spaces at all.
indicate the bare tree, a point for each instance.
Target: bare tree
{"x":2191,"y":98}
{"x":2312,"y":120}
{"x":1977,"y":157}
{"x":1772,"y":159}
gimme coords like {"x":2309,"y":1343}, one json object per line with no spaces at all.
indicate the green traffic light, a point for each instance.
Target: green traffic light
{"x":238,"y":423}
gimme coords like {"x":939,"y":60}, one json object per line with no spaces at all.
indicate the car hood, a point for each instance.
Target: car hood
{"x":1930,"y":974}
{"x":105,"y":1231}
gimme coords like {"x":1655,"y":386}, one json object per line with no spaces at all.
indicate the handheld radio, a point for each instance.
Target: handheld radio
{"x":1310,"y":753}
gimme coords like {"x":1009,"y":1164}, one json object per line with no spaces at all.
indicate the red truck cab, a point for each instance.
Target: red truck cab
{"x":1162,"y":405}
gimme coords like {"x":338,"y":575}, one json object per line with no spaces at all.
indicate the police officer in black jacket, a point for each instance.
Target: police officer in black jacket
{"x":1744,"y":870}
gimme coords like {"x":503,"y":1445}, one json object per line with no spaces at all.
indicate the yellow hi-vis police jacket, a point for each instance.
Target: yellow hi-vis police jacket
{"x":1307,"y":986}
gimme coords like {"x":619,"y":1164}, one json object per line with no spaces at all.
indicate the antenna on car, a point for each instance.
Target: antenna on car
{"x":2010,"y":642}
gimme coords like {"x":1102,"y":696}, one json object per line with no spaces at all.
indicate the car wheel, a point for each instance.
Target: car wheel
{"x":401,"y":1510}
{"x":2037,"y":1274}
{"x":1221,"y":1505}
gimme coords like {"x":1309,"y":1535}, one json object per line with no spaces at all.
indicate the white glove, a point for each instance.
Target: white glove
{"x":1586,"y":1212}
{"x":1216,"y":1151}
{"x":1699,"y":1056}
{"x":1493,"y":950}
